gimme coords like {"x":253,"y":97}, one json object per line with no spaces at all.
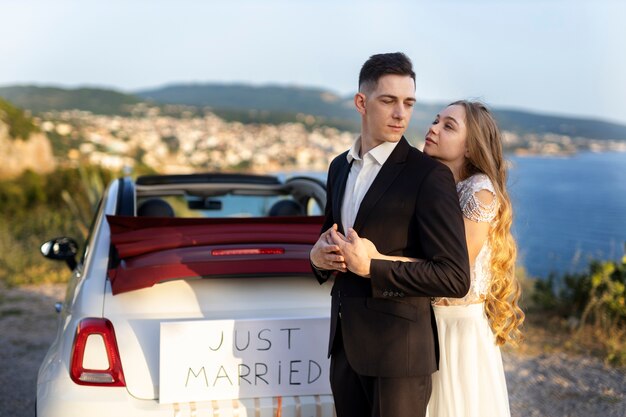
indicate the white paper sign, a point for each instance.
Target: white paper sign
{"x":225,"y":359}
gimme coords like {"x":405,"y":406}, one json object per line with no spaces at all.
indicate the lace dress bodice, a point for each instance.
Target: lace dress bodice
{"x":475,"y":210}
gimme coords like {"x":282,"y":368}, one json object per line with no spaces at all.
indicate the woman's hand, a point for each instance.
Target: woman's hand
{"x":372,"y":252}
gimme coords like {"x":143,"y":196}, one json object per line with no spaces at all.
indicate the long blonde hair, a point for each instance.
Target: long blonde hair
{"x":484,"y":144}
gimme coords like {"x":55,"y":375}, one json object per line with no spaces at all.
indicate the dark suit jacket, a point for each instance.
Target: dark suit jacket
{"x":411,"y":209}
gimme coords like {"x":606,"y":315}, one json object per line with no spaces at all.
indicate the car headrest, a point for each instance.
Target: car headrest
{"x":155,"y":207}
{"x":286,"y":208}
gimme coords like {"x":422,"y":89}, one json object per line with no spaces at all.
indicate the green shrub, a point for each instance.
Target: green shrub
{"x":20,"y":125}
{"x":598,"y":291}
{"x":605,"y":305}
{"x":544,"y":294}
{"x":35,"y":208}
{"x":593,"y":301}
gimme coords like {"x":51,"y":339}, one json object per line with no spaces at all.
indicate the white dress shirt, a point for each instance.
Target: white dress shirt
{"x":362,"y":174}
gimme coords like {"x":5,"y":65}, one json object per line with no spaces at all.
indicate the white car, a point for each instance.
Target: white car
{"x":193,"y":297}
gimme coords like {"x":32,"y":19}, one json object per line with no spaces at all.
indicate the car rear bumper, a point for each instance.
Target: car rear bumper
{"x":61,"y":400}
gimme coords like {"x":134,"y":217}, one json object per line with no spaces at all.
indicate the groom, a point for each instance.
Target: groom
{"x":383,"y":337}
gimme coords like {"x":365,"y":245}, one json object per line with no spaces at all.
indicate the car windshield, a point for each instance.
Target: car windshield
{"x":228,"y":196}
{"x":235,"y":206}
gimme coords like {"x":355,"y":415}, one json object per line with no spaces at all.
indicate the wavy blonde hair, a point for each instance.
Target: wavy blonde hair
{"x":484,"y":144}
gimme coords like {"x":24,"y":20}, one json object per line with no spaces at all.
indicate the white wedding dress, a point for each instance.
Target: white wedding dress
{"x":470,"y":381}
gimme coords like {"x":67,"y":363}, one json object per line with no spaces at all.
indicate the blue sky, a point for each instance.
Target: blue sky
{"x":557,"y":56}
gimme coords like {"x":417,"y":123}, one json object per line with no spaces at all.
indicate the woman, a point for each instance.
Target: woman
{"x":470,"y":381}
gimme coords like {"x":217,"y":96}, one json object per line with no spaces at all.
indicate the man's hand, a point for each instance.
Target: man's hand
{"x":326,"y":255}
{"x":355,"y":251}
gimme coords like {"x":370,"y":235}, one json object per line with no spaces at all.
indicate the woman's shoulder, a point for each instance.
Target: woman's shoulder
{"x":476,"y":203}
{"x":475,"y":183}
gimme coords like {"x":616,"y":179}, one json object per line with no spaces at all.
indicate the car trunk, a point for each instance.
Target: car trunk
{"x":137,"y":315}
{"x":208,"y":276}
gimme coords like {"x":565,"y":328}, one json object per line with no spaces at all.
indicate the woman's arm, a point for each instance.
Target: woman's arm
{"x":374,"y":254}
{"x":477,"y":232}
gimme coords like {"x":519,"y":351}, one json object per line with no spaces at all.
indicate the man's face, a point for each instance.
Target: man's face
{"x":388,"y":109}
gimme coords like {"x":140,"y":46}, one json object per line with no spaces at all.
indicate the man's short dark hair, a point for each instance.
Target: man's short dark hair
{"x":382,"y":64}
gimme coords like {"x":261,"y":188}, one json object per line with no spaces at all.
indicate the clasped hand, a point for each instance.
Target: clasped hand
{"x":334,"y":251}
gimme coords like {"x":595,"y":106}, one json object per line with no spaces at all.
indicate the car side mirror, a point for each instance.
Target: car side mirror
{"x":61,"y":249}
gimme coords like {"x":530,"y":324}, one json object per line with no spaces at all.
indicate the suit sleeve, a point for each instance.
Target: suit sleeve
{"x":441,"y":234}
{"x":323,"y":275}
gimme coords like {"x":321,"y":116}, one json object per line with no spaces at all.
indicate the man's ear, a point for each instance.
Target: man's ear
{"x":359,"y":102}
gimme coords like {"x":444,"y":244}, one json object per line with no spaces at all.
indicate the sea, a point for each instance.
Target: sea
{"x":567,"y":210}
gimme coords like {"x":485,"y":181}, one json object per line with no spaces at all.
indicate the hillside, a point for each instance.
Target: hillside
{"x":280,"y":104}
{"x":23,"y":145}
{"x":244,"y":97}
{"x":527,"y":122}
{"x":319,"y":102}
{"x":19,"y":125}
{"x":42,"y":99}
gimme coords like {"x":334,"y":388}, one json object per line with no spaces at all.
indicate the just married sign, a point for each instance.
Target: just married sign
{"x":225,"y":359}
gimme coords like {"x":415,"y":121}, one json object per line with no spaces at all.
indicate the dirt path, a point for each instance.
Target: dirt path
{"x":553,"y":385}
{"x":28,"y":324}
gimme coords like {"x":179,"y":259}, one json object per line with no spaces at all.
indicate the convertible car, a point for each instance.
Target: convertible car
{"x":193,"y":296}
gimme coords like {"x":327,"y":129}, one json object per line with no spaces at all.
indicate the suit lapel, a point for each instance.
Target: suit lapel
{"x":388,"y":173}
{"x":338,"y":192}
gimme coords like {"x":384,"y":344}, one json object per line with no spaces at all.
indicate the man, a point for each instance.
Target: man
{"x":383,"y":338}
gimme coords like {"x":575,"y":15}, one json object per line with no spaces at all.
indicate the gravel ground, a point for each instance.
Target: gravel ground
{"x":27,"y":328}
{"x":555,"y":385}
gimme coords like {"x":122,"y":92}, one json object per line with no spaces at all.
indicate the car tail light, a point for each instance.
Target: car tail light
{"x":248,"y":251}
{"x":112,"y":376}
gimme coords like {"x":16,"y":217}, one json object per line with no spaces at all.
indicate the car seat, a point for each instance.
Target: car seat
{"x":155,"y":207}
{"x":286,"y":208}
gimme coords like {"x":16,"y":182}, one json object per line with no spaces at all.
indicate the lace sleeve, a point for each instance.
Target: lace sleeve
{"x":472,"y":207}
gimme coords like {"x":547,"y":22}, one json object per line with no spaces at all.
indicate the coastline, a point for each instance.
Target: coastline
{"x":523,"y":153}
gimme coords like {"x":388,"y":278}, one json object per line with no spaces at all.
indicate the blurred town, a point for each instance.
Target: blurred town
{"x":185,"y":142}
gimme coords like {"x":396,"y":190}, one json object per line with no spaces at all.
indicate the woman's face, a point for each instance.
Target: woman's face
{"x":446,"y":139}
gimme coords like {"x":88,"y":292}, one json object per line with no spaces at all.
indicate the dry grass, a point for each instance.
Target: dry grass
{"x":546,"y":333}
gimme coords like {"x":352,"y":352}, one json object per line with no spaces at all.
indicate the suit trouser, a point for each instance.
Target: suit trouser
{"x":358,"y":395}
